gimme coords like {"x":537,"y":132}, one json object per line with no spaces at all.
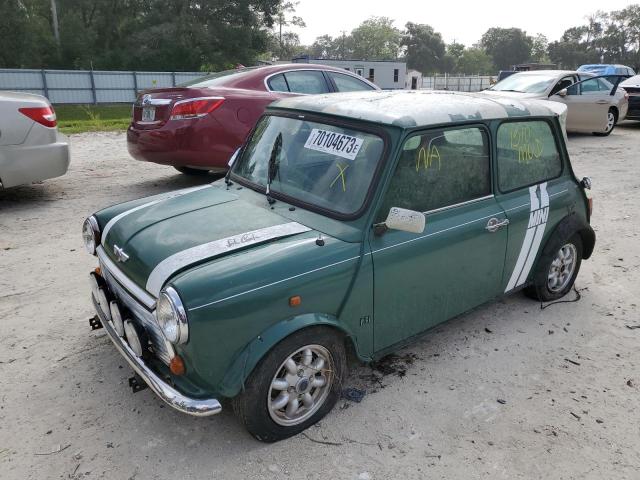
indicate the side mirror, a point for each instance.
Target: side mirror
{"x":404,"y":220}
{"x":562,"y":93}
{"x":586,"y":183}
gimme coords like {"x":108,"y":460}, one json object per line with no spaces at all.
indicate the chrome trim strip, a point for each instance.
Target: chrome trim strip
{"x":176,"y":193}
{"x":170,"y":265}
{"x":274,"y":283}
{"x":434,"y":233}
{"x":467,"y":202}
{"x":191,"y":406}
{"x":128,"y":284}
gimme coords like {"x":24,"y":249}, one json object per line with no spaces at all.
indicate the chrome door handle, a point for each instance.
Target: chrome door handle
{"x":602,"y":102}
{"x":494,"y":224}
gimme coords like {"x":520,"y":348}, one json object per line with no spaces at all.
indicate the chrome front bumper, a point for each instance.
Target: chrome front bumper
{"x":182,"y":403}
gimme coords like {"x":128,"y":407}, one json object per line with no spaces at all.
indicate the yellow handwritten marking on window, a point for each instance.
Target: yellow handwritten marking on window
{"x":341,"y":177}
{"x":426,"y":156}
{"x":527,"y":147}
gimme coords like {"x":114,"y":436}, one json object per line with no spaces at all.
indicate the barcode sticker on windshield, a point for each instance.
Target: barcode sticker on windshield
{"x":344,"y":146}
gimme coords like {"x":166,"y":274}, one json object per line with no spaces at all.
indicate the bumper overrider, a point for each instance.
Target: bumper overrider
{"x":192,"y":406}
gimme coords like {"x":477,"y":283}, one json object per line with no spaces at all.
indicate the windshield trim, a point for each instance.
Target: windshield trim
{"x":326,"y":120}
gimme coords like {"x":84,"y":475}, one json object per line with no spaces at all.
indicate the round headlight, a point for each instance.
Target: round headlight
{"x":116,"y":318}
{"x":172,"y":317}
{"x":91,"y":234}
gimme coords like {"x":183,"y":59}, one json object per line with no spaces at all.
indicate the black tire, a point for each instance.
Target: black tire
{"x":540,"y":288}
{"x":612,"y":111}
{"x":192,"y":171}
{"x":252,"y":406}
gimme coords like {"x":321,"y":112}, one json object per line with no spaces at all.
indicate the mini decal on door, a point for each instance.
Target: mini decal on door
{"x":533,"y":237}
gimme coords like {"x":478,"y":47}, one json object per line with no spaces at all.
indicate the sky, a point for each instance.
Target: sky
{"x":461,"y":20}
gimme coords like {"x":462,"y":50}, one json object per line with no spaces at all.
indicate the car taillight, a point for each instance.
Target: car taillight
{"x":43,"y":115}
{"x":590,"y":206}
{"x":195,"y":108}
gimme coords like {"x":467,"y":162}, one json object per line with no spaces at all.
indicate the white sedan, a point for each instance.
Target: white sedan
{"x":31,"y":148}
{"x":594,"y":105}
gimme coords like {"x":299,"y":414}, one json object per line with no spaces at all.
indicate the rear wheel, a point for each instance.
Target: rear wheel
{"x":557,"y":271}
{"x":192,"y":171}
{"x":294,"y":385}
{"x":612,"y":119}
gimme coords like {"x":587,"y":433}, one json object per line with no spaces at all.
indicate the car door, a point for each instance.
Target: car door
{"x":422,"y":279}
{"x":588,"y":102}
{"x":530,"y":191}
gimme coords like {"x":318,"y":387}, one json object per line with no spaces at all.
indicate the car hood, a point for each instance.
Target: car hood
{"x":157,"y":239}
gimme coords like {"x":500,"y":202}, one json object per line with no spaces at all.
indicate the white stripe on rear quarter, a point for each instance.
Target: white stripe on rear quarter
{"x":528,"y":239}
{"x":120,"y":216}
{"x":170,"y":265}
{"x":533,"y":253}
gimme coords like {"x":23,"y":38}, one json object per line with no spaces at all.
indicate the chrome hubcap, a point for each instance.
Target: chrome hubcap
{"x":611,"y":121}
{"x":301,"y":385}
{"x":562,"y":268}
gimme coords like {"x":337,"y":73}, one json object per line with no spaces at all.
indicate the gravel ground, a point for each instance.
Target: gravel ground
{"x":506,"y":391}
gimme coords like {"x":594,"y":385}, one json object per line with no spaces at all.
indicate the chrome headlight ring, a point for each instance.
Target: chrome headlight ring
{"x":91,"y":234}
{"x":172,"y":316}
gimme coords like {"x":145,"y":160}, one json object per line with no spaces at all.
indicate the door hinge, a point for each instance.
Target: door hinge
{"x":365,"y":320}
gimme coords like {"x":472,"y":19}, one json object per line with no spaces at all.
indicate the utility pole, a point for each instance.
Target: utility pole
{"x":54,"y":15}
{"x":343,"y":37}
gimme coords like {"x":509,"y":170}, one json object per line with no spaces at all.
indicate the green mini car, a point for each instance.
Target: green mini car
{"x":347,"y":225}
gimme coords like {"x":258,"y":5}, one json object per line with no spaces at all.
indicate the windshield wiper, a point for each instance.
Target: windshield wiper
{"x":273,"y":165}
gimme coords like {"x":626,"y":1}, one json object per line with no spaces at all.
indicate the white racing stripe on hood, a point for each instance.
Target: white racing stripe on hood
{"x":170,"y":195}
{"x":177,"y":261}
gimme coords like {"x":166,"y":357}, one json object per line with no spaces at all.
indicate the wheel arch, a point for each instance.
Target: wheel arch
{"x":247,"y":359}
{"x":567,"y":227}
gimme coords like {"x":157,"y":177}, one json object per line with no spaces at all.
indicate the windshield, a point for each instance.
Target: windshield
{"x":525,"y":83}
{"x":218,"y":78}
{"x":324,"y":165}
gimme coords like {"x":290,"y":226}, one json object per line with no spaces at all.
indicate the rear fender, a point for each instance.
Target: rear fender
{"x":566,"y":228}
{"x":248,"y":358}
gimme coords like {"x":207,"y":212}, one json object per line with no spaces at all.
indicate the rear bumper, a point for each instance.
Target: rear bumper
{"x":180,"y":145}
{"x":191,"y":406}
{"x":23,"y":164}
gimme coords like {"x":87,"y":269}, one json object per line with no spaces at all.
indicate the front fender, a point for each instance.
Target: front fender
{"x":248,"y":358}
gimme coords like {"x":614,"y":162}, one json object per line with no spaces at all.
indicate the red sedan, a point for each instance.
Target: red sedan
{"x":198,"y":126}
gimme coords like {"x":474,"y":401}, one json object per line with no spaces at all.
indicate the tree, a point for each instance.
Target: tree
{"x":507,"y":46}
{"x":425,"y":49}
{"x":376,"y":39}
{"x":539,"y":48}
{"x":475,"y":61}
{"x":282,"y":20}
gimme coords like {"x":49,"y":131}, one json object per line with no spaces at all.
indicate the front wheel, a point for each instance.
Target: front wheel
{"x":295,"y":385}
{"x":612,"y":119}
{"x":556,"y":272}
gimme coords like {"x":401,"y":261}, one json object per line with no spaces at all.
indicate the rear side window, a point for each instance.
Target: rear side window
{"x":440,"y":168}
{"x":527,"y":154}
{"x":306,"y":81}
{"x":277,"y":83}
{"x":347,"y":83}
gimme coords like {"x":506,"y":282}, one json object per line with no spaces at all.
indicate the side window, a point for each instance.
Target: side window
{"x":277,"y":83}
{"x":439,"y":168}
{"x":306,"y":81}
{"x":527,"y":154}
{"x":346,"y":83}
{"x":566,"y":82}
{"x":396,"y":72}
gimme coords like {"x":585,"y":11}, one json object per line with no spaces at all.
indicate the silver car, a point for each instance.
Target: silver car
{"x":594,"y":105}
{"x":31,"y":148}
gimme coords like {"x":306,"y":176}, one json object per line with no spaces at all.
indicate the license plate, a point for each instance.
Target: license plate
{"x":148,"y":114}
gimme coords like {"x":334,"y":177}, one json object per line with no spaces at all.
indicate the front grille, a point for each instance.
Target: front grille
{"x":140,"y":314}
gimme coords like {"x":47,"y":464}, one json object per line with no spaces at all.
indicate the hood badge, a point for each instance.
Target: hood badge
{"x":119,"y":253}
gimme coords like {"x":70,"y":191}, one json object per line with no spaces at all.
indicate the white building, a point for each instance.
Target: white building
{"x":387,"y":74}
